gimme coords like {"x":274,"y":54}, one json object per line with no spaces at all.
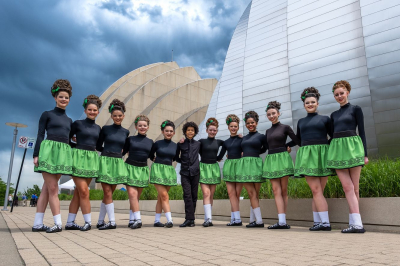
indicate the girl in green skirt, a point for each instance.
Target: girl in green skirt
{"x":163,"y":174}
{"x":311,"y":159}
{"x":210,"y":173}
{"x":138,"y":147}
{"x":249,"y":167}
{"x":52,"y":157}
{"x":112,"y":170}
{"x":348,"y":151}
{"x":278,"y":164}
{"x":234,"y":147}
{"x":85,"y":162}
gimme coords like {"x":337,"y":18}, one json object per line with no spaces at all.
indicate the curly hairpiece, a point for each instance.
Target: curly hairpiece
{"x":251,"y":114}
{"x":212,"y":122}
{"x":341,"y":84}
{"x":142,"y":118}
{"x":232,"y":118}
{"x":61,"y":85}
{"x":167,"y":123}
{"x":310,"y":92}
{"x":273,"y":105}
{"x":117,"y":105}
{"x":92,"y":99}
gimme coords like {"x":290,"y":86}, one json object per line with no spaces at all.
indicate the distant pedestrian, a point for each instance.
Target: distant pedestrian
{"x":24,"y":200}
{"x":10,"y":198}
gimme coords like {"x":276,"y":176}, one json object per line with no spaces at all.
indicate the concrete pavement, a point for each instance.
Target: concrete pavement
{"x":218,"y":245}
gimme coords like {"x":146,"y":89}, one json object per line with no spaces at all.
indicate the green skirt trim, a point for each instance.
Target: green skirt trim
{"x":311,"y":160}
{"x":249,"y":170}
{"x":137,"y":176}
{"x":210,"y":174}
{"x":346,"y":153}
{"x":112,"y":171}
{"x":278,"y":165}
{"x":54,"y":158}
{"x":229,"y":170}
{"x":162,"y":174}
{"x":85,"y":163}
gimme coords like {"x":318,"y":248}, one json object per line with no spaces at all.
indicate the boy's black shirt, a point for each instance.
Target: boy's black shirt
{"x":187,"y":154}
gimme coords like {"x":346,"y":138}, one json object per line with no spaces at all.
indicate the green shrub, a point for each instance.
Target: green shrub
{"x":380,"y":178}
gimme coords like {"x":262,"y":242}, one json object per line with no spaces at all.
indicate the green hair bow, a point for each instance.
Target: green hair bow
{"x":303,"y":97}
{"x":164,"y":124}
{"x":85,"y":103}
{"x":266,"y":109}
{"x":210,"y":122}
{"x":55,"y":90}
{"x":333,"y":90}
{"x":137,"y":120}
{"x":228,"y":121}
{"x":111,"y":108}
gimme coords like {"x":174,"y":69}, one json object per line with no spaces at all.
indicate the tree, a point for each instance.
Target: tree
{"x":30,"y":191}
{"x":3,"y":187}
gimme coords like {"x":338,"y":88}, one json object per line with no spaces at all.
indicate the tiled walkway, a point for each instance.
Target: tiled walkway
{"x":218,"y":245}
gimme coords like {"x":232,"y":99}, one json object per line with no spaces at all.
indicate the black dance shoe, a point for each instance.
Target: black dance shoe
{"x":188,"y":223}
{"x":158,"y":224}
{"x":354,"y":229}
{"x":107,"y":226}
{"x":321,"y":227}
{"x":234,"y":224}
{"x":73,"y":226}
{"x":86,"y":227}
{"x":207,"y":223}
{"x":279,"y":226}
{"x":54,"y":229}
{"x":100,"y":225}
{"x":254,"y":225}
{"x":131,"y":222}
{"x":169,"y":224}
{"x":136,"y":224}
{"x":43,"y":228}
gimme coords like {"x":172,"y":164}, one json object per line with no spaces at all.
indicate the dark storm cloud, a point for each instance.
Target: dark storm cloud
{"x":155,"y":13}
{"x":123,"y":7}
{"x":42,"y":41}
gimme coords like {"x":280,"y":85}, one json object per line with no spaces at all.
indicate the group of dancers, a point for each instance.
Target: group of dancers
{"x":342,"y":154}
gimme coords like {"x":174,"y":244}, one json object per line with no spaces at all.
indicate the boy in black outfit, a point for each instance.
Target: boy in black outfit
{"x":187,"y":155}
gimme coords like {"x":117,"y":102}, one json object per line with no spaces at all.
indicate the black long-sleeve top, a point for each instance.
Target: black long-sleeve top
{"x":87,"y":133}
{"x":138,"y":147}
{"x":313,"y":129}
{"x":209,"y":150}
{"x":234,"y":147}
{"x":350,"y":117}
{"x":57,"y":124}
{"x":276,"y":137}
{"x":187,"y":154}
{"x":113,"y":137}
{"x":165,"y":151}
{"x":254,"y":144}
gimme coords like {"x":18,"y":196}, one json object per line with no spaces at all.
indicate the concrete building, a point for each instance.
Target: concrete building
{"x":161,"y":91}
{"x":280,"y":47}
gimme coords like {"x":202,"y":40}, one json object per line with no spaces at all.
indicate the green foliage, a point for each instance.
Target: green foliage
{"x":380,"y":178}
{"x":30,"y":191}
{"x":64,"y":196}
{"x":3,"y":187}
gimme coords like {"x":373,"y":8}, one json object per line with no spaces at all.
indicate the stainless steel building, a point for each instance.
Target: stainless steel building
{"x":281,"y":47}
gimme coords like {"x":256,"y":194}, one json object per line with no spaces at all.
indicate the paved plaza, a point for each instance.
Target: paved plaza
{"x":218,"y":245}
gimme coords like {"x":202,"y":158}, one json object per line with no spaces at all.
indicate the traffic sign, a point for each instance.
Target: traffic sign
{"x":31,"y":143}
{"x":22,"y":143}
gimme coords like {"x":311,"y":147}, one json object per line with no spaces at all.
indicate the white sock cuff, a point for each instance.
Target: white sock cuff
{"x":38,"y":219}
{"x":57,"y":219}
{"x":282,"y":218}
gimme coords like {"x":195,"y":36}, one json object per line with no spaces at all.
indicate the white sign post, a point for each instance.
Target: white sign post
{"x":23,"y":141}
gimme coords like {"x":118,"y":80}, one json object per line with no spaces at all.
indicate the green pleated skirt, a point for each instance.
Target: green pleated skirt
{"x":229,"y":170}
{"x":162,"y":174}
{"x":138,"y":176}
{"x":85,"y":163}
{"x":112,"y":171}
{"x":311,"y":160}
{"x":346,"y":153}
{"x":249,"y":170}
{"x":54,"y":158}
{"x":278,"y":165}
{"x":210,"y":174}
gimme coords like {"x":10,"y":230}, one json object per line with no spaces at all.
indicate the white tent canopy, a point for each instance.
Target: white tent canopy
{"x":67,"y":185}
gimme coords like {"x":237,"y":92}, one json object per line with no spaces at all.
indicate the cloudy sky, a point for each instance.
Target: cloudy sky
{"x":93,"y":43}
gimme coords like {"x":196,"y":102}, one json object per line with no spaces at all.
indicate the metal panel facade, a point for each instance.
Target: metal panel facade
{"x":281,"y":47}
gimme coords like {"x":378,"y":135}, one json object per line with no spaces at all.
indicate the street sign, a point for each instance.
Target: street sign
{"x":31,"y":143}
{"x":22,"y":143}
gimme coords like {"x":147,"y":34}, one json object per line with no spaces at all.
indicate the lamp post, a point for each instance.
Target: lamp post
{"x":16,"y":125}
